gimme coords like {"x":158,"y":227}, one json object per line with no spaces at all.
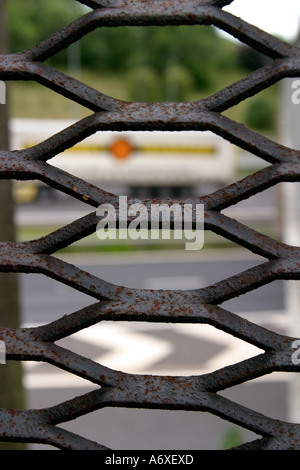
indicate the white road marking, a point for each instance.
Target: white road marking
{"x":132,"y":351}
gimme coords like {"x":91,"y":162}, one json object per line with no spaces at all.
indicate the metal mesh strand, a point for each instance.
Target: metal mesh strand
{"x":115,"y":303}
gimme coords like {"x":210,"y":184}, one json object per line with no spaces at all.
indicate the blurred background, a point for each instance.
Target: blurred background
{"x":153,"y":65}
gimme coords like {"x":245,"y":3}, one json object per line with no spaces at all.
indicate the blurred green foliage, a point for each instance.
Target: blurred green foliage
{"x":199,"y":51}
{"x":31,"y":21}
{"x":262,"y":111}
{"x":233,"y":437}
{"x":173,"y":63}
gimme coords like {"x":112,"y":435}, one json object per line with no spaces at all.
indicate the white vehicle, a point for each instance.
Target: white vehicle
{"x":149,"y":161}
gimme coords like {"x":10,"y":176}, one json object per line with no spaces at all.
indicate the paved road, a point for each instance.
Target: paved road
{"x":171,"y":349}
{"x":175,"y":349}
{"x":185,"y":270}
{"x":60,"y":209}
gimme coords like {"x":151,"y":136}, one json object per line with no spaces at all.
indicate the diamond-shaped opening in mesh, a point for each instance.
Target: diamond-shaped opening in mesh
{"x":268,"y":395}
{"x":273,"y":212}
{"x":39,"y":219}
{"x":248,"y":163}
{"x":153,"y":164}
{"x":179,"y":270}
{"x":41,"y":210}
{"x":265,"y":306}
{"x":37,"y":295}
{"x":260,"y":212}
{"x":107,"y":83}
{"x":273,"y":112}
{"x":31,"y":100}
{"x":160,"y":349}
{"x":128,"y":429}
{"x":47,"y":211}
{"x":154,"y":64}
{"x":50,"y":210}
{"x":260,"y":112}
{"x":47,"y":385}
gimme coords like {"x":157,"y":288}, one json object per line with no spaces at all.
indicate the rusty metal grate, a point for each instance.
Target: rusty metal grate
{"x":117,"y":389}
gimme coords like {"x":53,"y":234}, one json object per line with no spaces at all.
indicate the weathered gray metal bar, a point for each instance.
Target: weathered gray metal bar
{"x":198,"y":393}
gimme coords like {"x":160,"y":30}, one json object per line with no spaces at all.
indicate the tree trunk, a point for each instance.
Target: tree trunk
{"x":11,"y":389}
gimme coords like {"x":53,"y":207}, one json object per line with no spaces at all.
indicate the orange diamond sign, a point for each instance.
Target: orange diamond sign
{"x":121,"y":148}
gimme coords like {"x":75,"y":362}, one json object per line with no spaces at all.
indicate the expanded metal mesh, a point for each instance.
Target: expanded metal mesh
{"x":201,"y":306}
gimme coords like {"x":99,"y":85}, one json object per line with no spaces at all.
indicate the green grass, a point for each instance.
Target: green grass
{"x":34,"y":101}
{"x":92,"y":244}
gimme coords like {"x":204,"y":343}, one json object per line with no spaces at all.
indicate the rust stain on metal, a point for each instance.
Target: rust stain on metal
{"x":117,"y":303}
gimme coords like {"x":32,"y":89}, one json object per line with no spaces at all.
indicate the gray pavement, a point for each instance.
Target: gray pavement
{"x":167,"y":349}
{"x":181,"y":270}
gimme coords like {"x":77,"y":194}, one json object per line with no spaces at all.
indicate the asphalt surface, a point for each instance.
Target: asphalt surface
{"x":172,"y":350}
{"x":167,"y":349}
{"x":44,"y":299}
